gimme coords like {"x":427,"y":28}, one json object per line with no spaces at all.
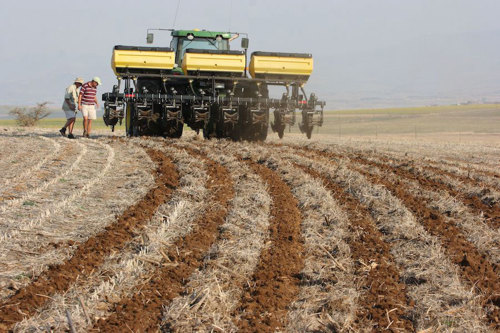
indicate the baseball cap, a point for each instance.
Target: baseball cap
{"x":97,"y":79}
{"x":79,"y":80}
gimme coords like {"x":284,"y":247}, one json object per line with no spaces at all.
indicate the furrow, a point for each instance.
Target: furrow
{"x":275,"y":282}
{"x":91,"y":254}
{"x":463,"y":154}
{"x":476,"y":269}
{"x":383,"y":298}
{"x":328,"y":297}
{"x":472,"y":226}
{"x":465,"y":173}
{"x":121,"y":272}
{"x":142,"y":312}
{"x":213,"y":290}
{"x":440,"y":299}
{"x":490,"y":213}
{"x":481,"y":200}
{"x":33,"y":251}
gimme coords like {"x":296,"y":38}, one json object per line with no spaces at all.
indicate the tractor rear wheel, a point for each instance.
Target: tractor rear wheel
{"x":279,"y":125}
{"x":128,"y":120}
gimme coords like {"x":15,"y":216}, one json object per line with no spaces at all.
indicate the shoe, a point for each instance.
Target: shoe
{"x":71,"y":136}
{"x":63,"y":131}
{"x":84,"y":134}
{"x":87,"y":135}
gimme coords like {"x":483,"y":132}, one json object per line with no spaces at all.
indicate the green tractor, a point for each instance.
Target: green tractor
{"x":200,"y":82}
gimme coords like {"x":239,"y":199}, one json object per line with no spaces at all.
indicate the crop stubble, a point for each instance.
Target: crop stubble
{"x":90,"y":254}
{"x":327,"y":296}
{"x":142,"y":312}
{"x":121,"y":272}
{"x":213,"y":291}
{"x":426,"y":272}
{"x":276,"y":282}
{"x":384,"y":299}
{"x":489,"y":210}
{"x":476,"y":269}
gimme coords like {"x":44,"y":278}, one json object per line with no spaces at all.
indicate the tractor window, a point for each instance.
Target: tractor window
{"x":173,"y":44}
{"x":200,"y":44}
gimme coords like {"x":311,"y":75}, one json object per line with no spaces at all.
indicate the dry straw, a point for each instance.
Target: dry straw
{"x":441,"y":301}
{"x":136,"y":264}
{"x":31,"y":163}
{"x":85,"y":216}
{"x":214,"y":291}
{"x":320,"y":304}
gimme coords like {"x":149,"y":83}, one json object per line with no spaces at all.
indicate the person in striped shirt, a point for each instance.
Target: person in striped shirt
{"x":87,"y":104}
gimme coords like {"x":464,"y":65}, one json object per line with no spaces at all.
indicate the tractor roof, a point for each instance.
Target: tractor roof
{"x":200,"y":33}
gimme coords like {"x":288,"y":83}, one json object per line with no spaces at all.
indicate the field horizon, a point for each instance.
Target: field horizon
{"x":453,"y":123}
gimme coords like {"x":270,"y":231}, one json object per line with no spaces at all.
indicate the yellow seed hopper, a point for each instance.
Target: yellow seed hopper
{"x":139,"y":59}
{"x":220,"y":62}
{"x":279,"y":65}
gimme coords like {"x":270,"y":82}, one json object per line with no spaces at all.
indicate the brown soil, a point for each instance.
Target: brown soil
{"x":383,"y":300}
{"x":472,"y":167}
{"x":475,"y":267}
{"x":275,"y":282}
{"x":471,"y":202}
{"x":143,"y":311}
{"x":91,"y":254}
{"x":455,"y":175}
{"x":490,"y":211}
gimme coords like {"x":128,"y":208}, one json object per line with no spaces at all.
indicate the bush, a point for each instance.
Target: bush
{"x":25,"y":117}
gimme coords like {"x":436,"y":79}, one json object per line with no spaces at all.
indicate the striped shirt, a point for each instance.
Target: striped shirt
{"x":88,"y":94}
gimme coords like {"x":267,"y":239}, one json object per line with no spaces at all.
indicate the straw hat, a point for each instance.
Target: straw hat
{"x":79,"y":80}
{"x":97,"y":79}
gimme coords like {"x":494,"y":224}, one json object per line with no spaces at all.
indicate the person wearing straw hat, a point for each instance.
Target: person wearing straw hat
{"x":87,"y":104}
{"x":69,"y":106}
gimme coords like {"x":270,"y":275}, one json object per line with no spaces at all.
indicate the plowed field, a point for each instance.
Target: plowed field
{"x":113,"y":235}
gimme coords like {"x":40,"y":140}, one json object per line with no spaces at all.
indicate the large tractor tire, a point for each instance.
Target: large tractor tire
{"x":128,"y":120}
{"x":210,"y":128}
{"x":307,"y":124}
{"x":131,"y":123}
{"x":278,"y":125}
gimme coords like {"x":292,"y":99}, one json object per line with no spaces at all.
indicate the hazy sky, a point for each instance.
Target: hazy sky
{"x":362,"y":48}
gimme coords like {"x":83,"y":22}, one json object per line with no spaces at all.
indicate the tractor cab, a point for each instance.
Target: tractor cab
{"x":197,"y":40}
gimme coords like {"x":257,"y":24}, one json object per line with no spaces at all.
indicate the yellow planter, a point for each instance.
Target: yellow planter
{"x":213,"y":61}
{"x":274,"y":65}
{"x":133,"y":58}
